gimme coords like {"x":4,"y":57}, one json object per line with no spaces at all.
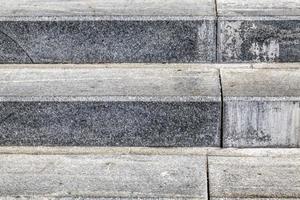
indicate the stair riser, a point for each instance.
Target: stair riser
{"x":255,"y":40}
{"x":110,"y":124}
{"x":261,"y":124}
{"x":173,"y":41}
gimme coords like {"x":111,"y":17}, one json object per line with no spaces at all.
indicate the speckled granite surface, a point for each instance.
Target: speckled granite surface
{"x":107,"y":31}
{"x":170,"y":41}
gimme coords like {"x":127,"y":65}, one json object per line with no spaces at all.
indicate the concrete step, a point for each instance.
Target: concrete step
{"x":89,"y":106}
{"x":261,"y":107}
{"x":150,"y":105}
{"x":104,"y":176}
{"x":149,"y":173}
{"x":103,"y":31}
{"x":124,"y":31}
{"x":258,"y":31}
{"x":255,"y":178}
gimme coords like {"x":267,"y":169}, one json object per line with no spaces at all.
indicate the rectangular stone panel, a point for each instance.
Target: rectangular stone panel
{"x":102,"y":177}
{"x":107,"y":31}
{"x":258,"y":31}
{"x":109,"y":107}
{"x":254,"y":178}
{"x":261,"y":107}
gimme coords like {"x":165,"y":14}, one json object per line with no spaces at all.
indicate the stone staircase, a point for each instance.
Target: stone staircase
{"x":150,"y":99}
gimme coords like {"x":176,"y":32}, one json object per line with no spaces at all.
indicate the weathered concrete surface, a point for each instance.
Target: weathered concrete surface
{"x":48,"y":8}
{"x":107,"y":31}
{"x":198,"y":151}
{"x":259,"y":40}
{"x":89,"y":198}
{"x":259,"y":31}
{"x":254,"y":178}
{"x":261,"y":108}
{"x":258,"y":8}
{"x":103,"y":177}
{"x":295,"y":65}
{"x":109,"y":107}
{"x":254,"y":198}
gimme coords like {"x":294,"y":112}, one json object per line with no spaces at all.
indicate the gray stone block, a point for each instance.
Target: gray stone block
{"x":258,"y":31}
{"x":107,"y":31}
{"x":103,"y":177}
{"x":261,"y":108}
{"x":110,"y":106}
{"x":255,"y":178}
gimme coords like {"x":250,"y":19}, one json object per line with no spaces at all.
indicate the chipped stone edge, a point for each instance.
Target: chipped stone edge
{"x":194,"y":151}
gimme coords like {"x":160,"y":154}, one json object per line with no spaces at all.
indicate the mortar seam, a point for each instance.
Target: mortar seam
{"x":222,"y":111}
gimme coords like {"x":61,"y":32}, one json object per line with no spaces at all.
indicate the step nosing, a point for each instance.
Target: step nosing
{"x":112,"y":98}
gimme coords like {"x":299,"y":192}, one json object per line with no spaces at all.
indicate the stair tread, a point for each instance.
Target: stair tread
{"x":94,"y":8}
{"x":90,"y":84}
{"x":277,"y":84}
{"x":106,"y":176}
{"x":258,"y":8}
{"x":181,"y":173}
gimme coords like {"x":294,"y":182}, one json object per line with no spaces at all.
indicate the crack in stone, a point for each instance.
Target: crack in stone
{"x":5,"y":34}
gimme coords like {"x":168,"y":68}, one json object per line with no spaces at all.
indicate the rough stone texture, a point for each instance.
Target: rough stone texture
{"x":258,"y":8}
{"x":254,"y":178}
{"x":107,"y":31}
{"x":259,"y":31}
{"x":261,"y":108}
{"x":113,"y":106}
{"x":259,"y":40}
{"x":103,"y":177}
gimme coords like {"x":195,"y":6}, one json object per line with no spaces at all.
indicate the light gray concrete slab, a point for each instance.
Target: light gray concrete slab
{"x":110,"y":107}
{"x":295,"y":65}
{"x":79,"y":198}
{"x":198,"y":151}
{"x":145,"y":177}
{"x":121,"y":83}
{"x":254,"y":198}
{"x":254,"y":178}
{"x":258,"y":8}
{"x":261,"y":108}
{"x":63,"y":8}
{"x":264,"y":83}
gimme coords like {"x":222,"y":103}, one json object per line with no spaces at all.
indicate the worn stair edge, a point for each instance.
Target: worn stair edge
{"x":261,"y":107}
{"x":110,"y":107}
{"x":105,"y":31}
{"x":254,"y":178}
{"x":258,"y":31}
{"x":197,"y":151}
{"x":105,"y":176}
{"x":179,"y":66}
